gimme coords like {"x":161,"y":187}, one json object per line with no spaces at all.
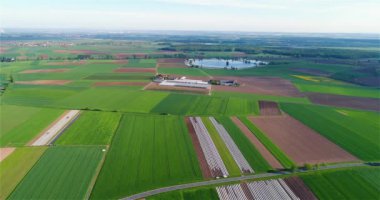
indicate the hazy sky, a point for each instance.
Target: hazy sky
{"x":355,"y":16}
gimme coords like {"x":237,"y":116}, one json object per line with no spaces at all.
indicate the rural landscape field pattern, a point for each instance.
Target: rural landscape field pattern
{"x":291,"y":118}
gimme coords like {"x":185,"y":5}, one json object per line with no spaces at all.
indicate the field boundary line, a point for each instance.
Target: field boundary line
{"x":96,"y":175}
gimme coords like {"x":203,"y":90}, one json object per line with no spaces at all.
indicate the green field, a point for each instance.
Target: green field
{"x":251,"y":154}
{"x":348,"y":184}
{"x":190,"y":194}
{"x":127,"y":99}
{"x":19,"y":125}
{"x":16,"y":166}
{"x":143,"y":63}
{"x":61,"y":173}
{"x":228,"y":160}
{"x":185,"y":104}
{"x":340,"y":90}
{"x":91,"y":128}
{"x":355,"y":131}
{"x":274,"y":149}
{"x":147,"y":152}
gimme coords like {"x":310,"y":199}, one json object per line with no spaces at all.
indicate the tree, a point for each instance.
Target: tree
{"x":308,"y":166}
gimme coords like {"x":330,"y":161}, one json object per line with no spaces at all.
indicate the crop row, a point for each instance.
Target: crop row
{"x":213,"y":159}
{"x":234,"y":150}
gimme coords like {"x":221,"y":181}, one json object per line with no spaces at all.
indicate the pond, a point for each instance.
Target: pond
{"x":224,"y":63}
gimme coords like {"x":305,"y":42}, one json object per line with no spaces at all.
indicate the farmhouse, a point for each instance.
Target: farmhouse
{"x":183,"y":82}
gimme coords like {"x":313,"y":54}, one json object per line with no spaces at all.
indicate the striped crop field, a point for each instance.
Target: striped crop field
{"x":249,"y":151}
{"x":16,"y":166}
{"x":213,"y":159}
{"x":228,"y":160}
{"x":147,"y":152}
{"x":91,"y":128}
{"x":71,"y":169}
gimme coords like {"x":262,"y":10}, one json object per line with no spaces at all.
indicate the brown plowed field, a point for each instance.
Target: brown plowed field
{"x":44,"y":82}
{"x":135,"y":70}
{"x":171,"y":65}
{"x":44,"y":56}
{"x":299,"y":188}
{"x":3,"y":49}
{"x":301,"y":143}
{"x":260,"y":85}
{"x":259,"y":146}
{"x":130,"y":55}
{"x":269,"y":108}
{"x":120,"y":83}
{"x":32,"y":71}
{"x":64,"y":63}
{"x":5,"y":152}
{"x":201,"y":158}
{"x":345,"y":101}
{"x":170,"y":60}
{"x":156,"y":86}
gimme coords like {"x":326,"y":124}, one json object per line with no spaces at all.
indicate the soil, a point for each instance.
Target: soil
{"x":44,"y":82}
{"x":44,"y":56}
{"x":259,"y":146}
{"x":201,"y":158}
{"x":260,"y":85}
{"x":299,"y":188}
{"x":5,"y":152}
{"x":3,"y":49}
{"x":171,"y":60}
{"x":120,"y":83}
{"x":32,"y":71}
{"x":345,"y":101}
{"x":299,"y":142}
{"x":172,"y":65}
{"x":133,"y":70}
{"x":156,"y":86}
{"x":269,"y":108}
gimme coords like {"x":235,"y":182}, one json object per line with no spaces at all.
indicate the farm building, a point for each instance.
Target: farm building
{"x":183,"y":82}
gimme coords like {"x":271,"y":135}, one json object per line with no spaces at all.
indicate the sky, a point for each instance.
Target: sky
{"x":295,"y":16}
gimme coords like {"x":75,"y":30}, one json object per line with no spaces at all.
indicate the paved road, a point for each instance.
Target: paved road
{"x":233,"y":179}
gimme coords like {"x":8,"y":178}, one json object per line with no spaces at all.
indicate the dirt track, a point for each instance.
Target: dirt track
{"x":345,"y":101}
{"x":32,"y":71}
{"x":260,"y":85}
{"x":135,"y":70}
{"x":197,"y":146}
{"x":5,"y":152}
{"x":44,"y":82}
{"x":269,"y":108}
{"x":301,"y":143}
{"x":120,"y":83}
{"x":259,"y":146}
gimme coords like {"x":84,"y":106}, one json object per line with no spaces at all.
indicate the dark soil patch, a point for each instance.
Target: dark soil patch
{"x":345,"y":101}
{"x":299,"y":142}
{"x":269,"y":108}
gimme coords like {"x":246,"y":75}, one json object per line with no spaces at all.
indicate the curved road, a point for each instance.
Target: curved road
{"x":234,"y":179}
